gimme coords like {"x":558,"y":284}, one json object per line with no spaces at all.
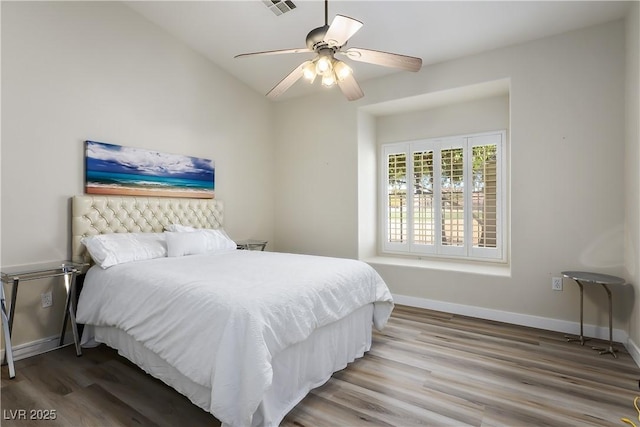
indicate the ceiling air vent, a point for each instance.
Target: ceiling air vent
{"x":278,"y":7}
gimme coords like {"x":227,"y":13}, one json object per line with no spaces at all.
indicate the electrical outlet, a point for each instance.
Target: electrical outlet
{"x":47,"y":299}
{"x":556,"y":283}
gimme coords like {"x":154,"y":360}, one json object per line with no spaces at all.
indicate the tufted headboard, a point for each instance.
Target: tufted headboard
{"x":92,"y":215}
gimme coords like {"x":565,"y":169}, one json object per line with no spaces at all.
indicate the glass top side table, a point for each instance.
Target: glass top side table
{"x":585,"y":277}
{"x":16,"y":275}
{"x":251,"y":244}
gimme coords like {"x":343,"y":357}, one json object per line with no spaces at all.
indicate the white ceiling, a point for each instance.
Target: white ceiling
{"x":433,"y":30}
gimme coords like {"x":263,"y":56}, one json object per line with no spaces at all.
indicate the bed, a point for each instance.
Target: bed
{"x":245,"y":335}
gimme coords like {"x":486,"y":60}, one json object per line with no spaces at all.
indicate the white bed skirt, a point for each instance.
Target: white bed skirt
{"x":296,"y":370}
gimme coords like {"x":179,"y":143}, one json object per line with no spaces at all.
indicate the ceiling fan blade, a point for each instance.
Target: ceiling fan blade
{"x":386,"y":59}
{"x":275,"y":52}
{"x":350,"y":88}
{"x":341,"y":30}
{"x":287,"y":82}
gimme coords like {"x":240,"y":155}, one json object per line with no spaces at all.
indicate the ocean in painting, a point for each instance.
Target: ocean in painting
{"x":131,"y":180}
{"x":113,"y":169}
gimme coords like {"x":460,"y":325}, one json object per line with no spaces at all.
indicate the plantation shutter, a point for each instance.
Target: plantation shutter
{"x":444,"y":196}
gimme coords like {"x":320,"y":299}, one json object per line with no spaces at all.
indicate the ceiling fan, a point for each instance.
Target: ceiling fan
{"x":326,"y":42}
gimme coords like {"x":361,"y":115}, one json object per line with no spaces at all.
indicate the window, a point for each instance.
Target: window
{"x":445,"y":196}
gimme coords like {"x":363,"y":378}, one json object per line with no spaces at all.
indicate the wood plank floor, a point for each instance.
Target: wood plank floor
{"x":425,"y":368}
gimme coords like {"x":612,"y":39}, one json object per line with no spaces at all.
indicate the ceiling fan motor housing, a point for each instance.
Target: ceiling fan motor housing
{"x":315,"y":39}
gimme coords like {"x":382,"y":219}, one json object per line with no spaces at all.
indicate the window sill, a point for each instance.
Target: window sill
{"x":487,"y":269}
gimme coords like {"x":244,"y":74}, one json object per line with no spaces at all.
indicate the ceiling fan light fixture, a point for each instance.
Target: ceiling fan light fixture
{"x":309,"y":71}
{"x":323,"y":65}
{"x":341,"y":70}
{"x":328,"y":79}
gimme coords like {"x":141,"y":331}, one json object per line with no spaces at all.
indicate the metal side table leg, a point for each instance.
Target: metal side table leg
{"x":610,"y":350}
{"x":65,"y":318}
{"x":72,"y":313}
{"x":8,"y":349}
{"x":581,"y":339}
{"x":70,"y":310}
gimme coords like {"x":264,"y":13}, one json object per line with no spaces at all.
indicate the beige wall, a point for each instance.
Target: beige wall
{"x":458,"y":118}
{"x":73,"y":71}
{"x":566,"y":156}
{"x":632,"y":166}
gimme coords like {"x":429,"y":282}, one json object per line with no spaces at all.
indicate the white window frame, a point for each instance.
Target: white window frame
{"x":467,"y":250}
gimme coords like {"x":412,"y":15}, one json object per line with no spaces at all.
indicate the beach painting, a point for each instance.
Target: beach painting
{"x":116,"y":170}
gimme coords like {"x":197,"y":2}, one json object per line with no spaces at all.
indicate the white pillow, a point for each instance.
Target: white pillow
{"x":179,"y":227}
{"x":111,"y":249}
{"x":197,"y":242}
{"x":218,"y":232}
{"x":181,"y":244}
{"x":219,"y":240}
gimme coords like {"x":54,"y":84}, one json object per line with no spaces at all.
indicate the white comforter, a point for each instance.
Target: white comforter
{"x":219,"y":319}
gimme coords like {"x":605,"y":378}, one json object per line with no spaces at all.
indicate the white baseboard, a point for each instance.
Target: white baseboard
{"x":634,"y":350}
{"x":523,"y":320}
{"x":33,"y":348}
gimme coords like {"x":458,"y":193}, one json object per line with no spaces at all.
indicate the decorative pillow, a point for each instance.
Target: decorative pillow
{"x":111,"y":249}
{"x":197,"y":242}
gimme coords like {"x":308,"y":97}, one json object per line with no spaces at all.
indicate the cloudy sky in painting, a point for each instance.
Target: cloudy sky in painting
{"x":117,"y":159}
